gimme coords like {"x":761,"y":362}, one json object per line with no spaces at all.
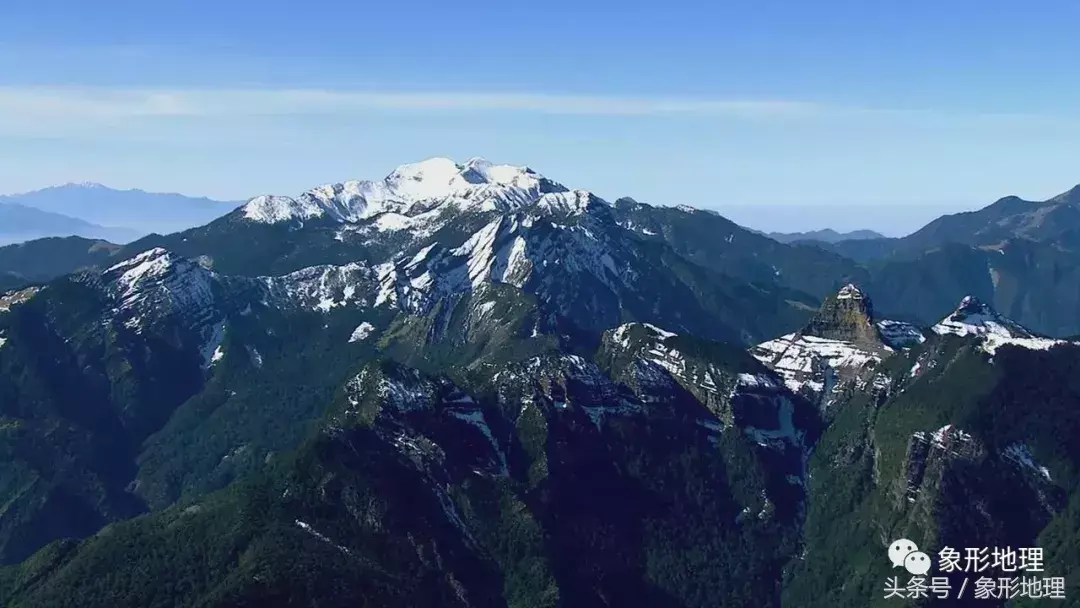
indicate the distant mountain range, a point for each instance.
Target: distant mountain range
{"x":22,"y":223}
{"x":827,"y":235}
{"x":95,"y":211}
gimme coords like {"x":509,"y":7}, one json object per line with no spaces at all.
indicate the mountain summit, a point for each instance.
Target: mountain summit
{"x":841,"y":346}
{"x":848,"y":316}
{"x":973,"y":317}
{"x":419,"y":189}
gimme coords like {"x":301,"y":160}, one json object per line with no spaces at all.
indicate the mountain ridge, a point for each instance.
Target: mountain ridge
{"x":922,"y":284}
{"x":1054,"y":221}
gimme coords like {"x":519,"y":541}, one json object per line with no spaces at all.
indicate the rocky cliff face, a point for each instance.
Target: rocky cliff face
{"x":838,"y":351}
{"x":847,"y":316}
{"x":956,"y":486}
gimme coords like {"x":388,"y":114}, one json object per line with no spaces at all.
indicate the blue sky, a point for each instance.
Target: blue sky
{"x":754,"y":106}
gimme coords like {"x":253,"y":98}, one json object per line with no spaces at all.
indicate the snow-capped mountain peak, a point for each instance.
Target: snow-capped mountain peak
{"x":975,"y":317}
{"x":85,"y":185}
{"x":410,"y":190}
{"x":428,"y":179}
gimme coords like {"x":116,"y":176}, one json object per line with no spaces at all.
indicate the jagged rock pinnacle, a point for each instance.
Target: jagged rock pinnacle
{"x":847,"y":316}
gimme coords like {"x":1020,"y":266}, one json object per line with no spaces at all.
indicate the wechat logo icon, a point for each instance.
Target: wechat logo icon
{"x":905,"y":553}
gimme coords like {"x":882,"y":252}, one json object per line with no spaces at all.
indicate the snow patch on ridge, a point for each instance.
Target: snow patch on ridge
{"x":273,"y":209}
{"x":993,"y":342}
{"x":321,"y":288}
{"x":7,"y":300}
{"x":479,"y":251}
{"x":899,"y":334}
{"x":255,"y":356}
{"x":947,"y":438}
{"x":756,"y":381}
{"x":215,"y":335}
{"x":974,"y":318}
{"x":806,"y":362}
{"x":662,"y":333}
{"x":361,"y":332}
{"x":307,"y":528}
{"x":621,"y":334}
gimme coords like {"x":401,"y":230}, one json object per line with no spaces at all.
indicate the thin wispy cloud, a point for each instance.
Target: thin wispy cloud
{"x":107,"y":104}
{"x":55,"y":111}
